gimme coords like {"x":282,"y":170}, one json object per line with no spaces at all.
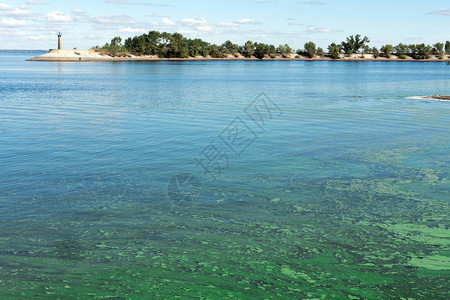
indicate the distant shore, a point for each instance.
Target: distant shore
{"x":440,"y":98}
{"x":435,"y":97}
{"x":90,"y":55}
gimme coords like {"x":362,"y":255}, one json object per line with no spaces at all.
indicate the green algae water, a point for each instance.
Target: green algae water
{"x":223,"y":180}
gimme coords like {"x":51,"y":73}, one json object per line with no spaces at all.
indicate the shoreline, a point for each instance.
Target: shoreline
{"x":439,"y":98}
{"x":91,"y":56}
{"x":435,"y":97}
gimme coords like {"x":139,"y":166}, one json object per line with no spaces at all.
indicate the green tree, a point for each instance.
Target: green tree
{"x":152,"y":41}
{"x":310,"y":49}
{"x":164,"y":44}
{"x":229,"y":47}
{"x":248,"y":49}
{"x":439,"y":49}
{"x":205,"y":49}
{"x":272,"y":51}
{"x":360,"y":43}
{"x":320,"y":52}
{"x":334,"y":51}
{"x":354,"y":43}
{"x":420,"y":51}
{"x":215,"y":52}
{"x":401,"y":50}
{"x":261,"y":50}
{"x":347,"y":48}
{"x":387,"y":50}
{"x":375,"y":52}
{"x":116,"y":45}
{"x":413,"y":52}
{"x":447,"y":47}
{"x":178,"y":46}
{"x":425,"y":51}
{"x":134,"y":46}
{"x":284,"y":50}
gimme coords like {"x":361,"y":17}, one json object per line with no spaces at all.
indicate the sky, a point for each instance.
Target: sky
{"x":34,"y":24}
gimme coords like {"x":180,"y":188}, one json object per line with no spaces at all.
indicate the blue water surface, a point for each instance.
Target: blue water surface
{"x":78,"y":138}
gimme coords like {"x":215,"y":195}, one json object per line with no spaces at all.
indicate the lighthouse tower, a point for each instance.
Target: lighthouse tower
{"x":59,"y":41}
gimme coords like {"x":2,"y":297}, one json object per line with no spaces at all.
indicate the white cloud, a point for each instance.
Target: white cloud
{"x":442,"y":12}
{"x":80,"y":15}
{"x":206,"y":28}
{"x":57,"y":16}
{"x":12,"y":23}
{"x":247,"y":21}
{"x":194,"y":22}
{"x":113,"y":20}
{"x":167,"y":22}
{"x":227,"y":24}
{"x":199,"y":26}
{"x":37,"y":37}
{"x":21,"y":12}
{"x":34,"y":2}
{"x":237,"y":23}
{"x":312,"y":29}
{"x":5,"y":7}
{"x":132,"y":30}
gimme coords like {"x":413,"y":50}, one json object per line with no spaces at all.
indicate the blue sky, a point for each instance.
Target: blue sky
{"x":33,"y":24}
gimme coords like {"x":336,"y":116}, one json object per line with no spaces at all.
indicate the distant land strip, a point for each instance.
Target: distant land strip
{"x":154,"y":45}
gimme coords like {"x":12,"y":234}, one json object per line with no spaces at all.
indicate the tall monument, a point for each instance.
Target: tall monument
{"x":59,"y":41}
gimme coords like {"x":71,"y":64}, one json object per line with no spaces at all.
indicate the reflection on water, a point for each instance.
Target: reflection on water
{"x":344,"y":196}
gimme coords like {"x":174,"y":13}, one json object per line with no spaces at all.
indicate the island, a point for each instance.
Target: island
{"x":156,"y":46}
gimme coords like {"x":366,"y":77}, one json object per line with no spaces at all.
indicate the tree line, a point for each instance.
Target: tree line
{"x":175,"y":45}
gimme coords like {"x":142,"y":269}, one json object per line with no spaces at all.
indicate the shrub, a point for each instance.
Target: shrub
{"x":334,"y":51}
{"x":387,"y":50}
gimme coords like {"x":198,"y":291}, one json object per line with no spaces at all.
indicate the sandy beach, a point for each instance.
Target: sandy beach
{"x":67,"y":55}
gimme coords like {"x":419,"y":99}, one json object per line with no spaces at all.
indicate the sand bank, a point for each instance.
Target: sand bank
{"x":91,"y":55}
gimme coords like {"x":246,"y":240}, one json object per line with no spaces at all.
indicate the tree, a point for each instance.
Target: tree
{"x":334,"y":51}
{"x":215,"y":51}
{"x":135,"y":45}
{"x":164,"y":44}
{"x":152,"y":41}
{"x":420,"y":51}
{"x":229,"y":47}
{"x":447,"y":47}
{"x":438,"y":49}
{"x":413,"y":52}
{"x":178,"y":47}
{"x":387,"y":50}
{"x":401,"y":50}
{"x":272,"y":51}
{"x":320,"y":52}
{"x":248,"y":49}
{"x":116,"y":45}
{"x":354,"y":43}
{"x":194,"y":47}
{"x":425,"y":51}
{"x":360,"y":43}
{"x":261,"y":50}
{"x":347,"y":48}
{"x":375,"y":52}
{"x":310,"y":49}
{"x":284,"y":50}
